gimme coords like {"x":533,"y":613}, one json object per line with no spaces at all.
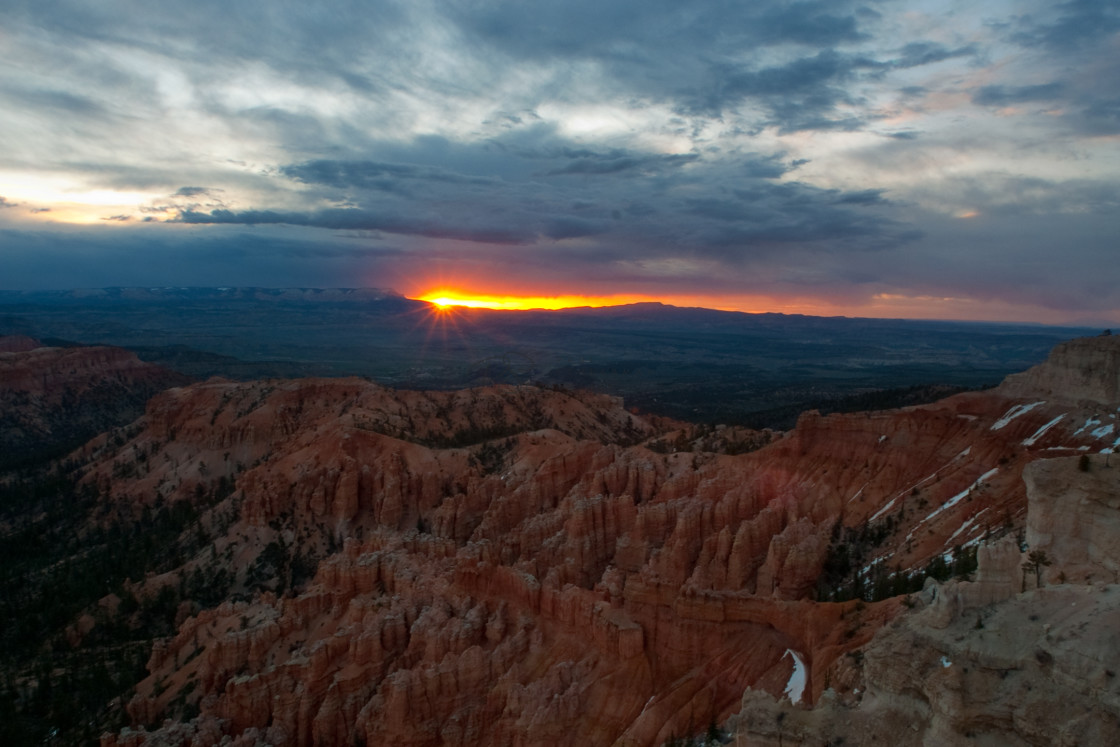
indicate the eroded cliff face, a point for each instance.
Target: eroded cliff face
{"x":512,"y":565}
{"x":1082,"y":370}
{"x":1074,"y":509}
{"x":998,"y":660}
{"x":52,"y":399}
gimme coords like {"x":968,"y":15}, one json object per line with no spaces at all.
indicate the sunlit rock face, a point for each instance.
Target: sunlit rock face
{"x":514,"y":565}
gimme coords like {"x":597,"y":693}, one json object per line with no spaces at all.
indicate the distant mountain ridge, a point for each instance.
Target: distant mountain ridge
{"x":696,"y":364}
{"x":185,"y":293}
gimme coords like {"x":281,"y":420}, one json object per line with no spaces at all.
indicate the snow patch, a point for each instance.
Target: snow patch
{"x":1013,"y":413}
{"x":1041,"y":431}
{"x":866,"y":571}
{"x":882,"y":439}
{"x":882,"y":510}
{"x":945,"y":663}
{"x":961,"y":495}
{"x":1103,"y":431}
{"x":1089,"y":423}
{"x":858,"y":492}
{"x":918,"y":484}
{"x":964,"y":526}
{"x":795,"y":688}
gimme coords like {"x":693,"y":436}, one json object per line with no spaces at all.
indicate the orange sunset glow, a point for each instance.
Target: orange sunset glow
{"x":445,"y":298}
{"x":882,"y":305}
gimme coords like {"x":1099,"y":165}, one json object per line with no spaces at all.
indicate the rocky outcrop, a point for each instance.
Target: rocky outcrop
{"x":512,"y":565}
{"x":982,"y":660}
{"x":18,"y":344}
{"x":1037,"y":669}
{"x":1074,"y":517}
{"x":1082,"y":370}
{"x":53,"y":399}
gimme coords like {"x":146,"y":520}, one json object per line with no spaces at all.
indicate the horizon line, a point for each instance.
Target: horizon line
{"x":446,"y":299}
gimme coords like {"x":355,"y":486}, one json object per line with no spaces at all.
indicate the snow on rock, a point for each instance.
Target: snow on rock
{"x":1013,"y":413}
{"x":1089,"y":423}
{"x":964,"y":527}
{"x":795,"y":688}
{"x":858,"y":492}
{"x":883,"y":510}
{"x":956,"y":498}
{"x":1041,"y":431}
{"x":918,"y":484}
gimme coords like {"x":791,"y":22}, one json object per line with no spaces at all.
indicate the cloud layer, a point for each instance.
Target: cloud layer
{"x":920,"y":158}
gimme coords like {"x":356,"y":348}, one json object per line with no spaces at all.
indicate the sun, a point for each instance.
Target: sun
{"x":444,"y":299}
{"x":444,"y":302}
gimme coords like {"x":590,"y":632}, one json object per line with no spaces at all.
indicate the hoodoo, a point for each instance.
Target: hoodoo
{"x":520,"y":565}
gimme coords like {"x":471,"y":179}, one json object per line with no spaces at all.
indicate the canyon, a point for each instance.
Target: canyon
{"x":53,"y":398}
{"x":526,"y":566}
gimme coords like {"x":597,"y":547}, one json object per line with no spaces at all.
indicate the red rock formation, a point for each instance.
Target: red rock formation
{"x":18,"y":344}
{"x":505,"y":565}
{"x":52,"y":399}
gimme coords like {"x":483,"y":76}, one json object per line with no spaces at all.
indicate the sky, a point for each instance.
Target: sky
{"x":921,"y":159}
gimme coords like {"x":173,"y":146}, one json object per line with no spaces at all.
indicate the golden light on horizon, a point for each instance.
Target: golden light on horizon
{"x":880,"y":305}
{"x":444,"y":299}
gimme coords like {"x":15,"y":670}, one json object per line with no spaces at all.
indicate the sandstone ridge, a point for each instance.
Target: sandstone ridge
{"x":1083,"y":370}
{"x":513,"y":565}
{"x":52,"y":399}
{"x":986,"y":662}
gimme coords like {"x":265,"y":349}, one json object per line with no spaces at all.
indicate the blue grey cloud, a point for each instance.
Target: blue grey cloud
{"x":855,"y":148}
{"x":1069,"y":26}
{"x":1007,"y":95}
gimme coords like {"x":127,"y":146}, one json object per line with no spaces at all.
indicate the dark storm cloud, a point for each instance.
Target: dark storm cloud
{"x":729,"y":144}
{"x":47,"y":259}
{"x":797,"y":92}
{"x":703,"y":59}
{"x":1008,"y":95}
{"x":357,"y":219}
{"x":629,"y":31}
{"x":1080,"y":35}
{"x":1101,"y":116}
{"x":768,"y":218}
{"x":586,"y":162}
{"x":628,"y":198}
{"x":862,"y":197}
{"x":806,"y":93}
{"x":387,"y":177}
{"x":1078,"y":24}
{"x":916,"y":54}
